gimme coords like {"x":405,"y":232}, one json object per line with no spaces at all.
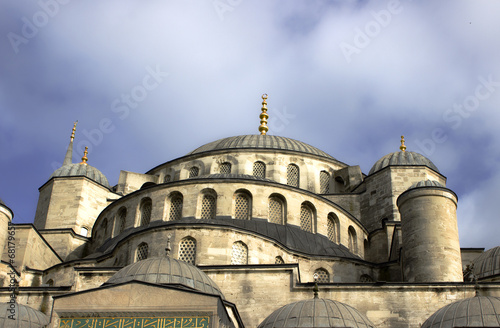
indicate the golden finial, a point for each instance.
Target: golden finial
{"x":73,"y":132}
{"x":84,"y":158}
{"x":263,"y":116}
{"x":402,"y":147}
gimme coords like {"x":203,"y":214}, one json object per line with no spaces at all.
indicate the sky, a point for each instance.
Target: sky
{"x":149,"y":81}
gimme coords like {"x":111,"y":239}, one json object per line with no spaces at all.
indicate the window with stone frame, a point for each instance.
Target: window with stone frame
{"x":146,"y":207}
{"x":275,"y":210}
{"x":225,"y":168}
{"x":194,"y":171}
{"x":322,"y":276}
{"x":306,"y":218}
{"x":241,"y":207}
{"x":187,"y":250}
{"x":333,"y":228}
{"x":279,"y":260}
{"x":142,"y":252}
{"x":353,"y":240}
{"x":122,"y":217}
{"x":324,"y":182}
{"x":167,"y":178}
{"x":239,"y":253}
{"x":259,"y":170}
{"x":292,"y":175}
{"x":208,"y":207}
{"x":176,"y":203}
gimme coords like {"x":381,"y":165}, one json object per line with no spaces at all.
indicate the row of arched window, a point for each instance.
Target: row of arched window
{"x":242,"y":211}
{"x":187,"y":251}
{"x":259,"y":170}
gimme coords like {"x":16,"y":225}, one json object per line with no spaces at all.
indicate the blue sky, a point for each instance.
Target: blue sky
{"x":151,"y":81}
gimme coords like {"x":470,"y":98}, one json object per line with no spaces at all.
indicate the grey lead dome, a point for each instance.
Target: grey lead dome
{"x":488,"y":263}
{"x":260,"y":142}
{"x":70,"y":170}
{"x":316,"y":312}
{"x":24,"y":316}
{"x":165,"y":270}
{"x":402,"y":158}
{"x":478,"y":311}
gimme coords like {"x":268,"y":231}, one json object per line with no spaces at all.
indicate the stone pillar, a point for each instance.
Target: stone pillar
{"x":6,"y":216}
{"x":431,"y":250}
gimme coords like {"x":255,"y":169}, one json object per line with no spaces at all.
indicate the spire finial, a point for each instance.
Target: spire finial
{"x":69,"y":152}
{"x":84,"y":158}
{"x":402,"y":147}
{"x":168,"y":249}
{"x":316,"y":288}
{"x":74,"y":129}
{"x":263,"y":116}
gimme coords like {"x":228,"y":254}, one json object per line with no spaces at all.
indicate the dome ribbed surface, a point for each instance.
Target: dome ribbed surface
{"x":316,"y":312}
{"x":25,"y":317}
{"x":479,"y":311}
{"x":260,"y":142}
{"x":426,"y":183}
{"x":165,"y":270}
{"x":72,"y":170}
{"x":488,"y":263}
{"x":402,"y":158}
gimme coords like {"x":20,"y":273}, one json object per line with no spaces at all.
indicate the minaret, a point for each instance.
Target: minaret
{"x":69,"y":152}
{"x":263,"y":116}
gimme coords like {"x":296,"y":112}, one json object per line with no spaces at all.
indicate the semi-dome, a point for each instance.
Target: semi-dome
{"x":402,"y":158}
{"x":478,"y":311}
{"x":260,"y":142}
{"x":25,"y":316}
{"x":488,"y":263}
{"x":166,"y":270}
{"x":316,"y":312}
{"x":71,"y":170}
{"x":426,"y":183}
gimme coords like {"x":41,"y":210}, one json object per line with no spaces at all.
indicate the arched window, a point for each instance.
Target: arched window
{"x":306,"y":218}
{"x":292,"y":175}
{"x":225,"y":168}
{"x":121,"y":217}
{"x":321,"y":275}
{"x":194,"y":171}
{"x":175,"y":207}
{"x":353,"y":240}
{"x":208,"y":207}
{"x":146,"y":206}
{"x":365,"y":278}
{"x":142,"y":252}
{"x":84,"y":231}
{"x":187,"y":250}
{"x":324,"y":182}
{"x":275,"y":210}
{"x":333,"y":228}
{"x":240,"y":253}
{"x":50,"y":282}
{"x":259,"y":170}
{"x":279,"y":260}
{"x":168,"y":178}
{"x":242,"y":206}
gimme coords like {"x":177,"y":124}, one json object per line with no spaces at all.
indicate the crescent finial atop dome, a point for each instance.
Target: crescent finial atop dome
{"x":85,"y":158}
{"x":402,"y":147}
{"x":263,"y":116}
{"x":69,"y":152}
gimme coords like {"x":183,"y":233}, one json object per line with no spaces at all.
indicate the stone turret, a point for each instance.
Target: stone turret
{"x":431,"y":250}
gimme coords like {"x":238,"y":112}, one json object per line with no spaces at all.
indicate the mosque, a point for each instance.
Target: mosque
{"x":246,"y":231}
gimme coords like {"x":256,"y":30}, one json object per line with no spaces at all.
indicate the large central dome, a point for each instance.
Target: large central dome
{"x":260,"y":142}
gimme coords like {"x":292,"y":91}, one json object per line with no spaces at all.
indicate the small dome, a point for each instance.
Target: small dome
{"x":258,"y":141}
{"x":402,"y":158}
{"x":71,"y":170}
{"x":165,"y":270}
{"x":25,"y":317}
{"x":426,"y":183}
{"x":316,"y":312}
{"x":478,"y":311}
{"x":488,"y":263}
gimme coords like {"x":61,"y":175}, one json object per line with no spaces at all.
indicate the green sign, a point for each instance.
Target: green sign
{"x":129,"y":322}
